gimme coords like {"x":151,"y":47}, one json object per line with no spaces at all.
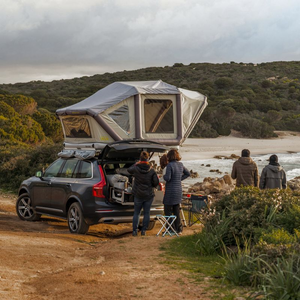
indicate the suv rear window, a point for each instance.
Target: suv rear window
{"x":85,"y":170}
{"x":68,"y":168}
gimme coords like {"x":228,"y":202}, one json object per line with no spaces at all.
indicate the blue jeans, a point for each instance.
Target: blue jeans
{"x":140,"y":204}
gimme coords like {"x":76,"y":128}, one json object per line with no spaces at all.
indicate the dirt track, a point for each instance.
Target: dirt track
{"x":42,"y":260}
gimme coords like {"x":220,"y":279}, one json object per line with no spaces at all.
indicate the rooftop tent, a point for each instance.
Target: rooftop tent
{"x":152,"y":110}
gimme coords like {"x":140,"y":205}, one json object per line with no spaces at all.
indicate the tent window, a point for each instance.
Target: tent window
{"x":121,"y":117}
{"x":159,"y":116}
{"x":77,"y":127}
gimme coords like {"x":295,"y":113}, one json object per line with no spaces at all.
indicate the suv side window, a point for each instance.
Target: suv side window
{"x":53,"y":170}
{"x":68,"y":168}
{"x":85,"y":170}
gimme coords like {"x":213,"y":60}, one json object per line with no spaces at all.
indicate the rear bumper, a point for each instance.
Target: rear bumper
{"x":121,"y":216}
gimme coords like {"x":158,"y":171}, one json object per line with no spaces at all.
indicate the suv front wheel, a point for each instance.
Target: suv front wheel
{"x":76,"y":220}
{"x":25,"y":210}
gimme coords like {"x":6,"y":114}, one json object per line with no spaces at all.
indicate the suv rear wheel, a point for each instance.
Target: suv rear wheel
{"x":24,"y":209}
{"x":151,"y":225}
{"x":76,"y":220}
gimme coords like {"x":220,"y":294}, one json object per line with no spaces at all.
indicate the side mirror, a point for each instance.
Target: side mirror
{"x":39,"y":174}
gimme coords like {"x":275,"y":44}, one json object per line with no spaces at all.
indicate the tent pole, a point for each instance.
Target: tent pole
{"x":137,"y":116}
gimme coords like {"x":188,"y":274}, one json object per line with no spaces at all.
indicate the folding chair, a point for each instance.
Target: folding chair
{"x":183,"y":220}
{"x":198,"y":203}
{"x":166,"y":222}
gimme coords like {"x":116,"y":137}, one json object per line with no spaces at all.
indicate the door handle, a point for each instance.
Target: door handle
{"x":68,"y":184}
{"x":49,"y":183}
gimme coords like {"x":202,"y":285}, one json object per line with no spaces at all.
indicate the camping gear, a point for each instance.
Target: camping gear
{"x":194,"y":207}
{"x":166,"y":222}
{"x":151,"y":110}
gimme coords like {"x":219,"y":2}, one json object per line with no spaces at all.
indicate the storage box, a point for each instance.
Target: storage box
{"x":119,"y":185}
{"x":122,"y":197}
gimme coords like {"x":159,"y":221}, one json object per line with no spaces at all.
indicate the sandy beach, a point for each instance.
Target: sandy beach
{"x":194,"y":149}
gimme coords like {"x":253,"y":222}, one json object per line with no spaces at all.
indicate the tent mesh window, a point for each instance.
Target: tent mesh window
{"x":77,"y":127}
{"x":158,"y":116}
{"x":121,"y":117}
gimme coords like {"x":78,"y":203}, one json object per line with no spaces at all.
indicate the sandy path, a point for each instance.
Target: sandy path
{"x":42,"y":260}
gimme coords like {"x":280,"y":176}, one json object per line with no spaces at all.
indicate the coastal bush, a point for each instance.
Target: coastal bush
{"x":50,"y":124}
{"x":278,"y":236}
{"x":204,"y":130}
{"x":252,"y":212}
{"x":20,"y":162}
{"x":252,"y":127}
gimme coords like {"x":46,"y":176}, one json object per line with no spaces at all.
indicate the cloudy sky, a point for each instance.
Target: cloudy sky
{"x":58,"y":39}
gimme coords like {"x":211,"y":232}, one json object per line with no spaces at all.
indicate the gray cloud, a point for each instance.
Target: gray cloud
{"x":63,"y":39}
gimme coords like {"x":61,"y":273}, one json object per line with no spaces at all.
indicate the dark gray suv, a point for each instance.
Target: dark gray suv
{"x":88,"y":189}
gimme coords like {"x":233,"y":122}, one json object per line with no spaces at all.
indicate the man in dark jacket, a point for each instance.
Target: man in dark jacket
{"x":273,"y":176}
{"x":245,"y":170}
{"x":145,"y":179}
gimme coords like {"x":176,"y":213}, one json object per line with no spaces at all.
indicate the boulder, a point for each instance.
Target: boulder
{"x":216,"y":186}
{"x":228,"y":179}
{"x":194,"y":174}
{"x":294,"y":184}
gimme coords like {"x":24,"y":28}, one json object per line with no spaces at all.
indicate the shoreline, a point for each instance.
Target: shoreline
{"x":207,"y":148}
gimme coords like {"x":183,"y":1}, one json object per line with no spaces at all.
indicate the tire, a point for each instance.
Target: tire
{"x":151,"y":225}
{"x":76,"y":221}
{"x":24,"y":209}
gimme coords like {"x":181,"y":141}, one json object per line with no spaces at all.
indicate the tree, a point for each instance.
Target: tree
{"x":224,"y":83}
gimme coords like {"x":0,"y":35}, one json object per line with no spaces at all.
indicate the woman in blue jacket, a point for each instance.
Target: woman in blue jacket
{"x":175,"y":173}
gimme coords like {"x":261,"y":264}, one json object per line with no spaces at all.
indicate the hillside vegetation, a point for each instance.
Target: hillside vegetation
{"x":253,"y":99}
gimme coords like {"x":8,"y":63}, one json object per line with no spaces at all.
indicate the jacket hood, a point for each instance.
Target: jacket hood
{"x":143,"y":167}
{"x":274,"y":169}
{"x":245,"y":160}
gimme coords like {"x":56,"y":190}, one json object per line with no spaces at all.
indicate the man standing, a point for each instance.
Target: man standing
{"x":245,"y":170}
{"x":273,"y":176}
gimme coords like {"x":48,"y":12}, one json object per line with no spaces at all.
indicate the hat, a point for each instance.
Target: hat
{"x":273,"y":158}
{"x":245,"y":153}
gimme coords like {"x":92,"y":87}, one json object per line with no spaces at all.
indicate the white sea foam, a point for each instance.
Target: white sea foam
{"x":290,"y":163}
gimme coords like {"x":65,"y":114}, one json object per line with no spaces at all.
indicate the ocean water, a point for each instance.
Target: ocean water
{"x":289,"y":161}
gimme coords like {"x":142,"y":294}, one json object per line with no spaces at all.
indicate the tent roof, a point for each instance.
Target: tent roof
{"x":117,"y":92}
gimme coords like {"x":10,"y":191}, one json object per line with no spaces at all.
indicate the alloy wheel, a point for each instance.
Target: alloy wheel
{"x":25,"y":209}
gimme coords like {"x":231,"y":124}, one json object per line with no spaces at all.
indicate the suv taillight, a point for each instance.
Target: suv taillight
{"x":162,"y":187}
{"x":98,"y":187}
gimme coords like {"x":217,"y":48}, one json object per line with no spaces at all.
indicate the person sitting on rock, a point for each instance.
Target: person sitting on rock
{"x":245,"y":170}
{"x":273,"y":176}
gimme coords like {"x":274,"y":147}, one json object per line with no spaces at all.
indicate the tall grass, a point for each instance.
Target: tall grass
{"x":281,"y":281}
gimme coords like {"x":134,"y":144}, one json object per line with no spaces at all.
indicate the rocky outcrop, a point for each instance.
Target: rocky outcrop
{"x":294,"y":184}
{"x":194,"y":174}
{"x":232,"y":156}
{"x":217,"y":186}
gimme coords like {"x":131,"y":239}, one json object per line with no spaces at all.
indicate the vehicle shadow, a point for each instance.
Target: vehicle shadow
{"x":10,"y":222}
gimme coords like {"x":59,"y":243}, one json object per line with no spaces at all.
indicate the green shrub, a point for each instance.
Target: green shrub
{"x":19,"y":163}
{"x":281,"y":280}
{"x":278,"y":236}
{"x":249,"y":210}
{"x":241,"y":270}
{"x":274,"y":251}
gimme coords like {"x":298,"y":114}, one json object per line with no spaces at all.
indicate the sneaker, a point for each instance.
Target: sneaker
{"x":143,"y":233}
{"x":134,"y":233}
